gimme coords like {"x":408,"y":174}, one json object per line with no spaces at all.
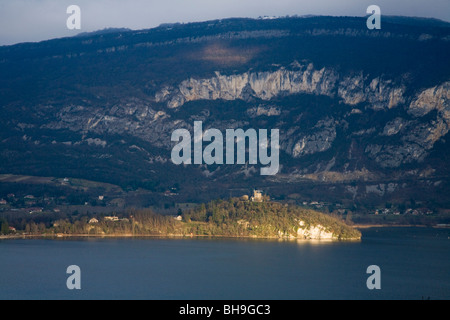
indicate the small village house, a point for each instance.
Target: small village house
{"x":93,"y":220}
{"x":111,"y":218}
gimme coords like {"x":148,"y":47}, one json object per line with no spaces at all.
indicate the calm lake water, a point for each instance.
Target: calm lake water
{"x":414,"y":263}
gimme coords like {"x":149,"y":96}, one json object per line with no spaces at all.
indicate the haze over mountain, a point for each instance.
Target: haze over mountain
{"x":363,"y":114}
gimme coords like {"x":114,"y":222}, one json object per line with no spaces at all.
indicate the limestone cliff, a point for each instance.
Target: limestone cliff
{"x":417,"y":136}
{"x":408,"y":138}
{"x":298,"y":78}
{"x":376,"y":93}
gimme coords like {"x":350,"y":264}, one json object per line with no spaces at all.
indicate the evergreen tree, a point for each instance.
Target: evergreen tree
{"x":4,"y":226}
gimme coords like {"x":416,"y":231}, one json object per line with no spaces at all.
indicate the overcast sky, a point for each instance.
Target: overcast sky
{"x":36,"y":20}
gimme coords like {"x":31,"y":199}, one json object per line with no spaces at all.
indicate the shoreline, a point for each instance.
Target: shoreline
{"x":366,"y":226}
{"x":191,"y":236}
{"x":166,"y":236}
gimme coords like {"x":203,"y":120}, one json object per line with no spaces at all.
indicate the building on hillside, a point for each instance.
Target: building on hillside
{"x":257,"y":196}
{"x":93,"y":220}
{"x":111,"y":218}
{"x":35,"y":210}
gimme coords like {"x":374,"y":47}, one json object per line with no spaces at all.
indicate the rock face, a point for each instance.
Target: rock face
{"x":436,"y":98}
{"x":317,"y":232}
{"x":409,"y":138}
{"x":298,"y":78}
{"x":417,"y":136}
{"x":319,"y":140}
{"x":312,"y":232}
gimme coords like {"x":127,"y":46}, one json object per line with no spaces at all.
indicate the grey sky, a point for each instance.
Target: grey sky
{"x":36,"y":20}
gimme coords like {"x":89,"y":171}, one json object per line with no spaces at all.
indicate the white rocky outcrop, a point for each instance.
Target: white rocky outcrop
{"x":435,"y":98}
{"x":352,"y":89}
{"x":403,"y":140}
{"x":317,"y":232}
{"x":269,"y":111}
{"x":419,"y":137}
{"x":319,"y":139}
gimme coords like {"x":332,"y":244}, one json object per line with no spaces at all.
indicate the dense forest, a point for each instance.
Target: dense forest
{"x":261,"y":219}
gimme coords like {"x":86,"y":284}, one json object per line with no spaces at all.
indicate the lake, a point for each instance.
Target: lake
{"x":414,"y":264}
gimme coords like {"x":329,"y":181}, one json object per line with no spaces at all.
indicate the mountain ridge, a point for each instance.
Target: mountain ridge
{"x":367,"y":108}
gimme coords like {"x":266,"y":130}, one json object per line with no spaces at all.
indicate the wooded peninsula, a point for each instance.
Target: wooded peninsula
{"x":222,"y":218}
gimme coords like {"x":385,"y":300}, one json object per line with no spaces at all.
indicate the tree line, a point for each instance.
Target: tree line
{"x":233,"y":217}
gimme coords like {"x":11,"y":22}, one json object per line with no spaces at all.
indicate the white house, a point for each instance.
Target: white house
{"x":112,"y":218}
{"x":93,"y":220}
